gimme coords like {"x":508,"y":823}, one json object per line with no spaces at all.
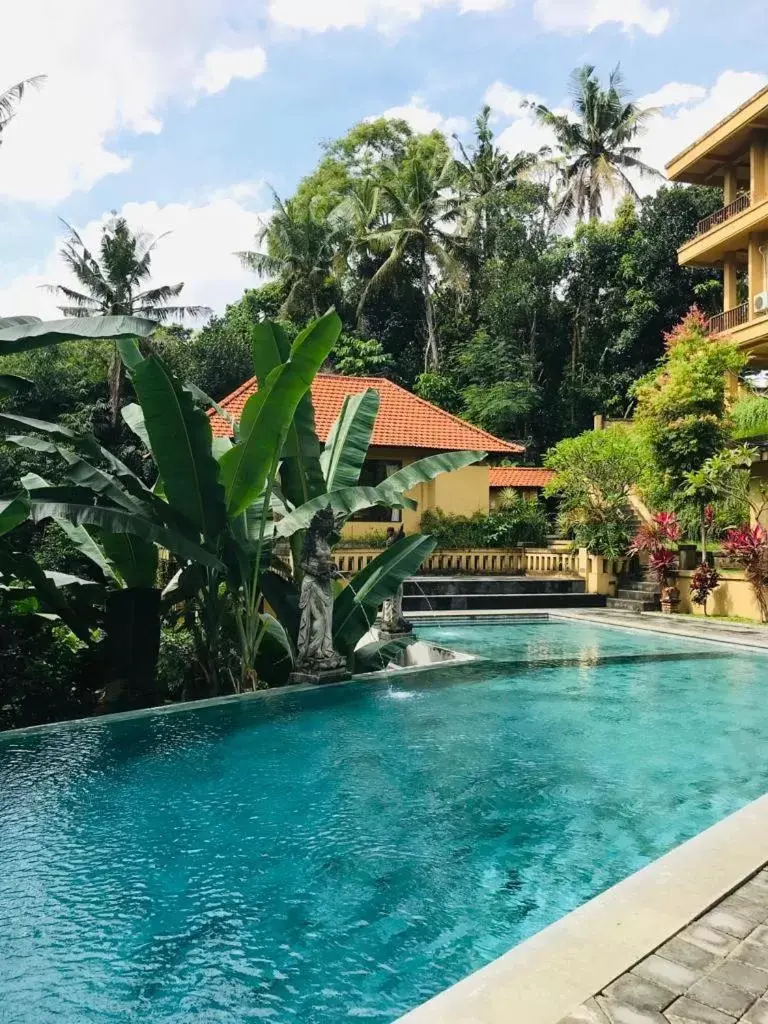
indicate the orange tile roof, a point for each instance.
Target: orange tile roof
{"x":519,"y":476}
{"x":404,"y":420}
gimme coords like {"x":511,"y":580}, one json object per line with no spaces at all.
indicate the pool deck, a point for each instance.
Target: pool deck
{"x":683,"y":941}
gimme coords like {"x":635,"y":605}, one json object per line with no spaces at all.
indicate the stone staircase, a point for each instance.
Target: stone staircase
{"x":494,"y":593}
{"x":635,"y":594}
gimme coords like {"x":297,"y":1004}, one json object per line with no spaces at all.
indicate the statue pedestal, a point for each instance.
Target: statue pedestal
{"x":387,"y":635}
{"x":333,"y":675}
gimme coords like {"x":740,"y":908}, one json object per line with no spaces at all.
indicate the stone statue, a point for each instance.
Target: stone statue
{"x":317,"y":660}
{"x":390,"y":618}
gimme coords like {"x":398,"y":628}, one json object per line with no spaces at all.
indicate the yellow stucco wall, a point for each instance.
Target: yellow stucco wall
{"x":462,"y":492}
{"x":734,"y":597}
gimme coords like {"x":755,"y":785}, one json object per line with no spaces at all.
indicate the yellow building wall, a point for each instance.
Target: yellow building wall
{"x":463,"y":492}
{"x":733,"y":597}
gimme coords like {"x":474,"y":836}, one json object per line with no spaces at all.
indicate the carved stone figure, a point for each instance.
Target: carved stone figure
{"x":317,"y":660}
{"x":390,"y":618}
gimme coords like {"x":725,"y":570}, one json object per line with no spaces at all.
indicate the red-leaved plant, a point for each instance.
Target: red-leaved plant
{"x":748,"y":545}
{"x":704,"y":580}
{"x":654,"y":539}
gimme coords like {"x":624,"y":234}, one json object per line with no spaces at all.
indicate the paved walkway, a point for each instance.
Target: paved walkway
{"x":715,"y":971}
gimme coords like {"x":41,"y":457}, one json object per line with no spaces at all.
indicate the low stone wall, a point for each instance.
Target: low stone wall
{"x":734,"y":596}
{"x":557,"y":559}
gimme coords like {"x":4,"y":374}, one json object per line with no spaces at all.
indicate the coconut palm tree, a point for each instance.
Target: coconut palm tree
{"x":113,"y":285}
{"x":419,"y":227}
{"x":596,"y":149}
{"x":486,"y":176}
{"x":10,"y":99}
{"x":300,"y":251}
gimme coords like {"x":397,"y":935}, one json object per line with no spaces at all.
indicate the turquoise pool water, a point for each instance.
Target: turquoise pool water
{"x":344,"y":854}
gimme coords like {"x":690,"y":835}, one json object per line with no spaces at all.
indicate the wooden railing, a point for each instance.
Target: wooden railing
{"x":555,"y":560}
{"x":729,"y":319}
{"x":721,"y":216}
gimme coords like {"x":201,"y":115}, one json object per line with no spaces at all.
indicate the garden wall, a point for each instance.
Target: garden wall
{"x":733,"y":597}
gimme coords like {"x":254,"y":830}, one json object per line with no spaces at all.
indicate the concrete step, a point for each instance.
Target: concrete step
{"x":636,"y":605}
{"x":493,"y":602}
{"x":638,"y":586}
{"x":638,"y":595}
{"x":451,"y":585}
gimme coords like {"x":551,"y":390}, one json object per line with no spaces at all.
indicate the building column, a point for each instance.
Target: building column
{"x":758,"y":168}
{"x":730,"y":186}
{"x":756,"y":267}
{"x":730,"y":282}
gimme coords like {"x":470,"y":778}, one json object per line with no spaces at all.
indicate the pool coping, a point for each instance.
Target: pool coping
{"x":549,"y":975}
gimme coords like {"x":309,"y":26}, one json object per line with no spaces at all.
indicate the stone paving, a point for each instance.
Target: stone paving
{"x":715,"y":971}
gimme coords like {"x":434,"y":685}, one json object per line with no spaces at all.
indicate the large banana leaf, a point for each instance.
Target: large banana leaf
{"x":18,"y":566}
{"x":180,"y":436}
{"x":135,"y":560}
{"x":390,"y":493}
{"x":245,"y":468}
{"x":347,"y":444}
{"x":300,"y":473}
{"x":20,"y":337}
{"x":274,"y":660}
{"x":344,"y":502}
{"x":355,"y":607}
{"x":12,"y":384}
{"x":89,"y":548}
{"x":377,"y":655}
{"x":282,"y":595}
{"x":12,"y":512}
{"x":73,"y":504}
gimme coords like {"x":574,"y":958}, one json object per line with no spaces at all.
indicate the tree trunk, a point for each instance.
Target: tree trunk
{"x":431,"y":358}
{"x":116,"y":378}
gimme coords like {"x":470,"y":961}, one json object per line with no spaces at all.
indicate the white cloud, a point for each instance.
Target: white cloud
{"x":421,"y":119}
{"x":112,"y":67}
{"x":198,"y":251}
{"x":673,"y":94}
{"x":523,"y":133}
{"x":386,"y":15}
{"x":586,"y":15}
{"x":671,"y":132}
{"x":220,"y":67}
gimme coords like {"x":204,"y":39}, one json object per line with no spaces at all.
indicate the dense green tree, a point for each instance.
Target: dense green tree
{"x":597,"y":147}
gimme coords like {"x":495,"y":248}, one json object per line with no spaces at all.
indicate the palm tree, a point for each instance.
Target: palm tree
{"x":595,"y":150}
{"x":300,"y":251}
{"x":418,"y":227}
{"x":485,"y":177}
{"x":11,"y":98}
{"x":112,"y":286}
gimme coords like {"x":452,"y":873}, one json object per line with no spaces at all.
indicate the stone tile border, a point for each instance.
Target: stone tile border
{"x":715,"y":971}
{"x":554,"y":975}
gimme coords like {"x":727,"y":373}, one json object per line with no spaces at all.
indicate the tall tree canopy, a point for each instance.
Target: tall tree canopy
{"x":114,"y":283}
{"x":597,"y":148}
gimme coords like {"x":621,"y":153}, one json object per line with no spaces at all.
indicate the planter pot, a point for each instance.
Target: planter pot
{"x":688,"y":556}
{"x":670,"y":599}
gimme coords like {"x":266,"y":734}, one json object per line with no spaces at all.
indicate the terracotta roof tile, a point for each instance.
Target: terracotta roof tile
{"x":519,"y":476}
{"x":404,"y":420}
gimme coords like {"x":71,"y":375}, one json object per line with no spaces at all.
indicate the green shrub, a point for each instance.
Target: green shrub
{"x":45,"y":674}
{"x":517,"y":521}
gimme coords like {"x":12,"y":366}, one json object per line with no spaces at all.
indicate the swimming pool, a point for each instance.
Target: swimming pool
{"x":346,"y":853}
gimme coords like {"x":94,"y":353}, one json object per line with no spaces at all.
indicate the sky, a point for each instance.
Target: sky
{"x":181,"y":114}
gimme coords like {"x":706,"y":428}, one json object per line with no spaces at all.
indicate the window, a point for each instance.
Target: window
{"x":373,"y":473}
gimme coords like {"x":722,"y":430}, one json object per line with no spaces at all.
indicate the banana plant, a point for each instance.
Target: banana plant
{"x":210,"y":504}
{"x":331,"y":478}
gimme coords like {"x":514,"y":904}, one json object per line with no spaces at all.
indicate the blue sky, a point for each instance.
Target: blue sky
{"x":178,"y":112}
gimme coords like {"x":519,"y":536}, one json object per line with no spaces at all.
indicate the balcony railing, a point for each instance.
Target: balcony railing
{"x":729,"y":319}
{"x":721,"y":216}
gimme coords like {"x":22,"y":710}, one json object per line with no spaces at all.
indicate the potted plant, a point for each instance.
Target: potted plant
{"x":655,"y":539}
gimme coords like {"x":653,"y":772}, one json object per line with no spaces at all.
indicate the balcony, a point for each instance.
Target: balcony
{"x":719,"y":217}
{"x":729,"y":319}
